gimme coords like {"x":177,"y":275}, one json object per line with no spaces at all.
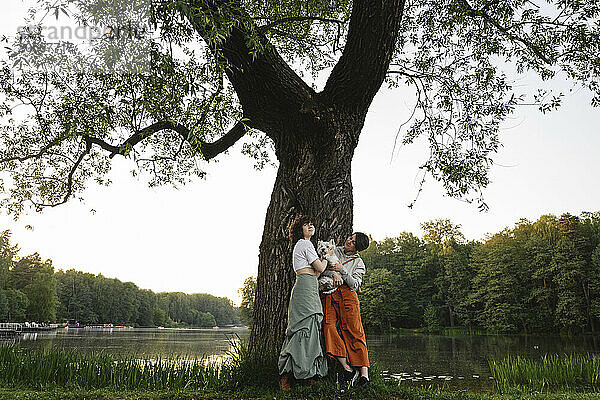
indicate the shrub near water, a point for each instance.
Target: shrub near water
{"x":40,"y":369}
{"x":549,"y":372}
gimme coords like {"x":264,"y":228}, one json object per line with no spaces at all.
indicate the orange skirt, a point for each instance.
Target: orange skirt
{"x":342,"y":309}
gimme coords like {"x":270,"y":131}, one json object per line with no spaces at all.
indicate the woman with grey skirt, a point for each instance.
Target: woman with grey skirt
{"x":302,"y":354}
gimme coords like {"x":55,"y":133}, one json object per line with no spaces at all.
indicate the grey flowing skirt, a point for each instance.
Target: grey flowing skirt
{"x":302,"y":351}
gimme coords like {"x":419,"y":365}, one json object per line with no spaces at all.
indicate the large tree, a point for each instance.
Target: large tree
{"x":294,"y":76}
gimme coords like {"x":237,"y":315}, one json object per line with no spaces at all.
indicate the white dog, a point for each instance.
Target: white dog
{"x":326,"y":250}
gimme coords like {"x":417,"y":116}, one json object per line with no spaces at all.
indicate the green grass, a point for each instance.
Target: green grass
{"x":394,"y":392}
{"x":59,"y":374}
{"x":70,"y":369}
{"x":57,"y":368}
{"x":548,"y":373}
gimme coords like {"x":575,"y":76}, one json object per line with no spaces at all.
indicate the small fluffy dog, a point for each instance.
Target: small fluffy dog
{"x":325,"y":250}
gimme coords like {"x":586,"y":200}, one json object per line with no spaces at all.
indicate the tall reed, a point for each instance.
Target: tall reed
{"x":46,"y":368}
{"x":549,"y":372}
{"x":250,"y":369}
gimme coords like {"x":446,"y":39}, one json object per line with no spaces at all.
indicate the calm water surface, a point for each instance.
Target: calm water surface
{"x":435,"y":358}
{"x":140,"y":342}
{"x":405,"y":357}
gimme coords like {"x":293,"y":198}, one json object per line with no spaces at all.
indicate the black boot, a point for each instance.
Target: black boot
{"x":350,"y":376}
{"x":363,"y":382}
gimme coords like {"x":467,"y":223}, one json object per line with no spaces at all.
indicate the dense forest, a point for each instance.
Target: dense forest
{"x":537,"y":277}
{"x":30,"y":290}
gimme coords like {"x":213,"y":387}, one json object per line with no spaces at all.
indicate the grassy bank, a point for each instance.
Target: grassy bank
{"x":58,"y":374}
{"x":57,"y":368}
{"x":547,"y":373}
{"x":395,"y":392}
{"x":69,"y":369}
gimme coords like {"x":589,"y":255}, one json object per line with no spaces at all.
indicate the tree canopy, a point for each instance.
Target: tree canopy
{"x":172,"y":83}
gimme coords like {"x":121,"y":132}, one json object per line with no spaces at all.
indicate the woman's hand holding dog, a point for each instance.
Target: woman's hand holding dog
{"x":335,"y":267}
{"x":337,"y":279}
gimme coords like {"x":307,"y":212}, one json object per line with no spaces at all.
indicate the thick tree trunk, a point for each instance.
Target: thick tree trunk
{"x":314,"y":178}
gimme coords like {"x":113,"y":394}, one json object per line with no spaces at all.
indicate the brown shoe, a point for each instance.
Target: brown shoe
{"x":312,"y":382}
{"x":284,"y":382}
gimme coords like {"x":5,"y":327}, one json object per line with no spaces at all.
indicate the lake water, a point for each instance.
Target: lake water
{"x":435,"y":358}
{"x":407,"y":357}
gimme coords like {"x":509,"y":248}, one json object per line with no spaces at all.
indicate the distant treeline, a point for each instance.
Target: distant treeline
{"x":538,"y":277}
{"x":30,"y":290}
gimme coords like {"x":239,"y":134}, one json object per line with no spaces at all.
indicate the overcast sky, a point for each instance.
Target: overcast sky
{"x":205,"y":236}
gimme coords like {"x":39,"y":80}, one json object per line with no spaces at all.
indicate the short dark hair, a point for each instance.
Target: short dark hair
{"x":295,"y":231}
{"x":362,"y":241}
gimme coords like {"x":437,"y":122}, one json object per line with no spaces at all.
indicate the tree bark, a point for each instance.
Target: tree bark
{"x":314,"y":178}
{"x":372,"y":35}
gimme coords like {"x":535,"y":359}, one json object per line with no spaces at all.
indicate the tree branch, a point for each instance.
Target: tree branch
{"x":267,"y":87}
{"x":69,"y":191}
{"x":372,"y":35}
{"x":34,"y":155}
{"x":480,"y":13}
{"x":88,"y":147}
{"x":210,"y":150}
{"x":207,"y":149}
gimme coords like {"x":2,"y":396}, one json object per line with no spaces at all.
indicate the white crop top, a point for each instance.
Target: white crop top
{"x":304,"y":254}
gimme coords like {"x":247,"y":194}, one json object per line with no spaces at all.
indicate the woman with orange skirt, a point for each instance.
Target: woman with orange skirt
{"x":341,"y":308}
